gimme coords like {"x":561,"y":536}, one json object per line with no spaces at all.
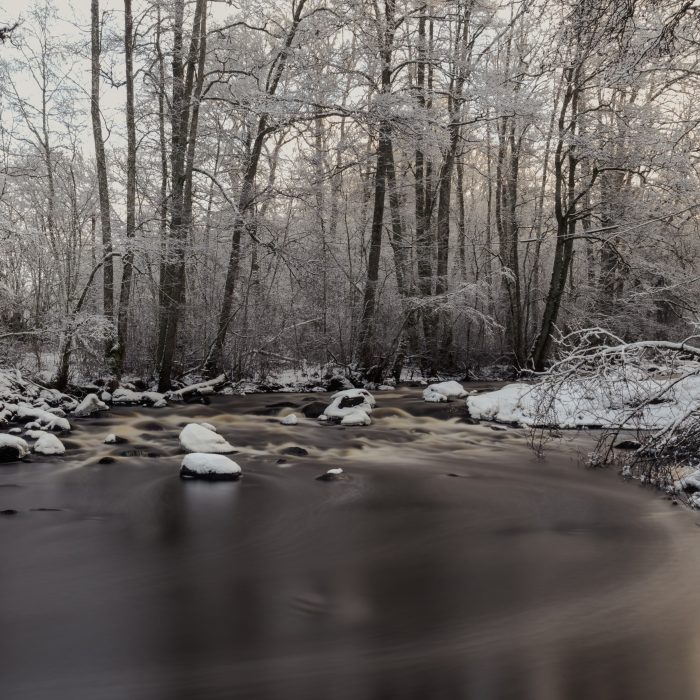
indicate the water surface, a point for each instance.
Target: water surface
{"x":450,"y":564}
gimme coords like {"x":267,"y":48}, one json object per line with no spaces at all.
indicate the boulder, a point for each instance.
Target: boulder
{"x":331,"y":475}
{"x":212,"y":467}
{"x":196,"y":438}
{"x":90,"y":405}
{"x":356,"y":418}
{"x":12,"y":448}
{"x":46,"y":443}
{"x":295,"y":451}
{"x":313,"y":409}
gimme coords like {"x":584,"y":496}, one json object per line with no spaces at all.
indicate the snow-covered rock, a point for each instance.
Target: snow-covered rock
{"x":12,"y":448}
{"x":128,"y":397}
{"x":689,"y":484}
{"x":153,"y":399}
{"x":291,"y":419}
{"x":113,"y":439}
{"x":90,"y":405}
{"x":356,"y":417}
{"x":40,"y":418}
{"x":125,"y":397}
{"x":198,"y":465}
{"x":354,"y":393}
{"x":449,"y":390}
{"x":350,"y":401}
{"x":46,"y":443}
{"x":209,"y":426}
{"x":331,"y":475}
{"x":433,"y":396}
{"x":196,"y":438}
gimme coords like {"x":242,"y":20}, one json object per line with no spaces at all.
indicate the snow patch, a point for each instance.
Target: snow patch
{"x":448,"y":390}
{"x":350,"y":401}
{"x":355,"y":418}
{"x":620,"y":401}
{"x":194,"y":437}
{"x":12,"y":448}
{"x":46,"y":443}
{"x":198,"y":465}
{"x":90,"y":405}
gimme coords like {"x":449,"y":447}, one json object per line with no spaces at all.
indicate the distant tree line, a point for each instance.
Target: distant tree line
{"x":445,"y":186}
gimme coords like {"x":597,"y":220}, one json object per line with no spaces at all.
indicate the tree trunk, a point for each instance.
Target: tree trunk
{"x":127,"y":259}
{"x":101,"y":166}
{"x":185,"y":98}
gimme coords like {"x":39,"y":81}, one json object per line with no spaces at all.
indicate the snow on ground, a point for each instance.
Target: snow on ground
{"x":46,"y":443}
{"x":620,"y":400}
{"x":198,"y":465}
{"x":196,"y":438}
{"x":443,"y":391}
{"x":90,"y":405}
{"x":12,"y":448}
{"x":127,"y":397}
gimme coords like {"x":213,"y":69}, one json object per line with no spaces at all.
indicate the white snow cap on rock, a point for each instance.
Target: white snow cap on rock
{"x":433,"y":396}
{"x":46,"y":443}
{"x":89,"y":405}
{"x":196,"y":438}
{"x":365,"y":405}
{"x":16,"y":443}
{"x":209,"y":426}
{"x":356,"y":417}
{"x":353,"y":393}
{"x":42,"y":419}
{"x":291,"y":419}
{"x":111,"y":439}
{"x":204,"y":465}
{"x":335,"y":471}
{"x":691,"y":481}
{"x":449,"y":390}
{"x":150,"y":398}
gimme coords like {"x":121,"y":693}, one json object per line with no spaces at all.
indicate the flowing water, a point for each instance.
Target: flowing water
{"x":449,"y":564}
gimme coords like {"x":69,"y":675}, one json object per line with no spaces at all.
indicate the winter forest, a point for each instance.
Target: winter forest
{"x":446,"y":186}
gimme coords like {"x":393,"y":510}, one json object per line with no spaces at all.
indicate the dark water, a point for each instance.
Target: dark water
{"x":512,"y":578}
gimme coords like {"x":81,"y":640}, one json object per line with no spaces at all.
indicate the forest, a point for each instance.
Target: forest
{"x":441,"y":187}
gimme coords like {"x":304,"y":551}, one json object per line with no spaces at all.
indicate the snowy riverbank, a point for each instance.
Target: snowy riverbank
{"x":639,"y":402}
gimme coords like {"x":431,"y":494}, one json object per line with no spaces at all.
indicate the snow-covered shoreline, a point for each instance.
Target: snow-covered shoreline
{"x":590,"y":404}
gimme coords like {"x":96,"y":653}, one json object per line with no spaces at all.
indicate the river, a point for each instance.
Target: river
{"x":451,"y":563}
